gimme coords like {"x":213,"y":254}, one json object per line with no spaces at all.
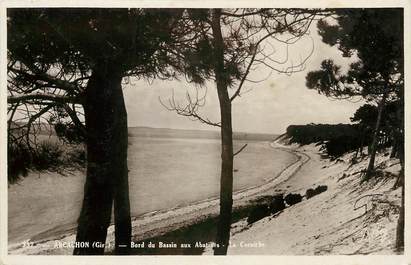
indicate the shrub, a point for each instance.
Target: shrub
{"x":48,"y":155}
{"x":313,"y":192}
{"x":293,"y":198}
{"x":258,"y":212}
{"x":321,"y":188}
{"x":310,"y":193}
{"x":18,"y":162}
{"x":76,"y":156}
{"x":277,"y":204}
{"x":69,"y":133}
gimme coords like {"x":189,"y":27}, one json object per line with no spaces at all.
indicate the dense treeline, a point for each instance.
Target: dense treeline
{"x":338,"y":139}
{"x":314,"y":133}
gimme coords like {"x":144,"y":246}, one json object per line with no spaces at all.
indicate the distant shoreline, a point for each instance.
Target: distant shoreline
{"x":46,"y":129}
{"x":198,"y":134}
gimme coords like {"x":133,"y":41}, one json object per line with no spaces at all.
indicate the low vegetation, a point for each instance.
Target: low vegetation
{"x":272,"y":205}
{"x":46,"y":155}
{"x":313,"y":192}
{"x":293,"y":198}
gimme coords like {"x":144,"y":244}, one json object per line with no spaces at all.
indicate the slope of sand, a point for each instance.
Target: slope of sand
{"x":329,"y":223}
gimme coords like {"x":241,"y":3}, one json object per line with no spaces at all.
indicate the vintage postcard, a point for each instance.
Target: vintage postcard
{"x":173,"y":132}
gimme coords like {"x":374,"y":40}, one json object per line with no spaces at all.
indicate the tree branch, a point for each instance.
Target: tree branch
{"x":190,"y":109}
{"x":75,"y":119}
{"x":240,"y":150}
{"x":244,"y":14}
{"x":38,"y":75}
{"x":44,"y":97}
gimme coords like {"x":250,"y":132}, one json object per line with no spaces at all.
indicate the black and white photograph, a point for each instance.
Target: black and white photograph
{"x":147,"y":131}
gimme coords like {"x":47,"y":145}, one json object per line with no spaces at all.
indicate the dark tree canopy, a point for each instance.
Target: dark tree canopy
{"x":67,"y":38}
{"x":367,"y":32}
{"x":375,"y":37}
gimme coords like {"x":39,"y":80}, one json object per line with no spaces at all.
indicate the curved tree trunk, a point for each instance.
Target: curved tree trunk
{"x":226,"y":180}
{"x":107,"y":174}
{"x":373,"y":149}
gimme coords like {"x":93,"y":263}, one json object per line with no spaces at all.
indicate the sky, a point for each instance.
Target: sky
{"x":268,"y":106}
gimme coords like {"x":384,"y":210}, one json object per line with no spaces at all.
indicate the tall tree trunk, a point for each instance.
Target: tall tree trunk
{"x":374,"y":143}
{"x":395,"y":145}
{"x":363,"y":135}
{"x":122,"y":217}
{"x":399,"y":242}
{"x":400,"y":142}
{"x":107,"y":174}
{"x":361,"y":132}
{"x":226,"y":180}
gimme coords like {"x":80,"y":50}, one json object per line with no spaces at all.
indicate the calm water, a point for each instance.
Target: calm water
{"x":167,"y":169}
{"x":170,"y":171}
